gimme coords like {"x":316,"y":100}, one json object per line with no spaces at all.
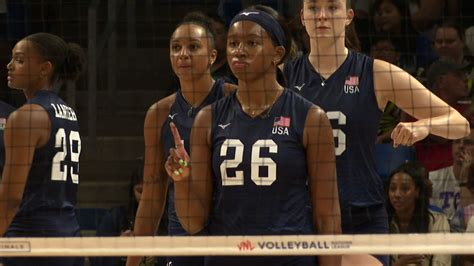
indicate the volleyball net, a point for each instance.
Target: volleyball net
{"x":240,"y":245}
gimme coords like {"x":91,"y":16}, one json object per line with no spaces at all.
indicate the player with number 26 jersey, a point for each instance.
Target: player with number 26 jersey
{"x":50,"y":191}
{"x":259,"y":165}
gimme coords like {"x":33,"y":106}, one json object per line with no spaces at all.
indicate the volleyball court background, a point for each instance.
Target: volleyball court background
{"x":128,"y":69}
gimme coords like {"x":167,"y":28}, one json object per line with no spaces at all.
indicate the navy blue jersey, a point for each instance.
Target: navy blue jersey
{"x":182,"y":114}
{"x":259,"y":168}
{"x":348,"y":98}
{"x":5,"y":111}
{"x":49,"y":198}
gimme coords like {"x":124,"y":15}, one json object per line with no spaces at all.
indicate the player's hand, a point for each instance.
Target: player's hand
{"x":409,"y":260}
{"x":408,"y":133}
{"x":177,"y":165}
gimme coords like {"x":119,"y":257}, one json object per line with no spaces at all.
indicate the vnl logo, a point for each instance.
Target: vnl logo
{"x":245,"y":245}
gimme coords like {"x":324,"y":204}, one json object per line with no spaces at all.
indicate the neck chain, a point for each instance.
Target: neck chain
{"x":265,"y":110}
{"x":323,"y":80}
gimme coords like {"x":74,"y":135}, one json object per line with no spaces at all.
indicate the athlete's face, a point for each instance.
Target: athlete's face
{"x":387,"y":18}
{"x":191,"y":52}
{"x":402,"y":193}
{"x":250,"y":51}
{"x":448,"y":43}
{"x":326,"y":18}
{"x":26,"y":69}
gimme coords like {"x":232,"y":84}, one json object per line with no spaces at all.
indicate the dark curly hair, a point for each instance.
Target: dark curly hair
{"x":68,"y":59}
{"x":202,"y":20}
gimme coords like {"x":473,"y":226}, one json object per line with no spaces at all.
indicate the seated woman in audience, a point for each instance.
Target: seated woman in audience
{"x":408,"y":211}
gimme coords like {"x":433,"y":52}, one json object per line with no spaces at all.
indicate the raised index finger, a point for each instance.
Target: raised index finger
{"x":178,"y":143}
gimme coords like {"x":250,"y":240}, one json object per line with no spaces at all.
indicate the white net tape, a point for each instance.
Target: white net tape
{"x":240,"y":245}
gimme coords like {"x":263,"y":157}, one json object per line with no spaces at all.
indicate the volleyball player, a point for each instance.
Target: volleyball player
{"x":254,"y":152}
{"x":42,"y":145}
{"x":192,"y":53}
{"x":353,"y":89}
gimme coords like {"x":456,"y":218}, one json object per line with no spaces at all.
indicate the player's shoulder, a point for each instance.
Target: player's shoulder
{"x":163,"y":105}
{"x":158,"y":112}
{"x":28,"y":115}
{"x":384,"y":66}
{"x":316,"y":115}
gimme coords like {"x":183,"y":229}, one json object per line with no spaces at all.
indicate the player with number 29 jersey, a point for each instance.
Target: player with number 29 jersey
{"x":50,"y":191}
{"x":260,"y":170}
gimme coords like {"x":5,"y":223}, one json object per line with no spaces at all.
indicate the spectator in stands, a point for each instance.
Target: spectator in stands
{"x":448,"y":81}
{"x":385,"y":48}
{"x":408,"y":209}
{"x":426,"y":13}
{"x":447,"y":181}
{"x":393,"y":17}
{"x":449,"y":44}
{"x":466,"y":210}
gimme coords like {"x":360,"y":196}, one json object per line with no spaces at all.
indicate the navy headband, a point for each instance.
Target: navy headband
{"x":271,"y":26}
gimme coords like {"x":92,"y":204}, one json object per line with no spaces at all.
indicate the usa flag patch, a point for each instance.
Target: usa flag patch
{"x":352,"y":81}
{"x":282,"y":121}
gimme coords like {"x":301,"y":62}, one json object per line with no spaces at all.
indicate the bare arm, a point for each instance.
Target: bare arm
{"x":433,"y":114}
{"x":27,"y":128}
{"x":321,"y":160}
{"x":193,"y":188}
{"x":155,"y":178}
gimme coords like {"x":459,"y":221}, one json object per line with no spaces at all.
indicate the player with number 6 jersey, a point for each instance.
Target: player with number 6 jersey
{"x":353,"y":89}
{"x":349,"y":101}
{"x":43,"y":145}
